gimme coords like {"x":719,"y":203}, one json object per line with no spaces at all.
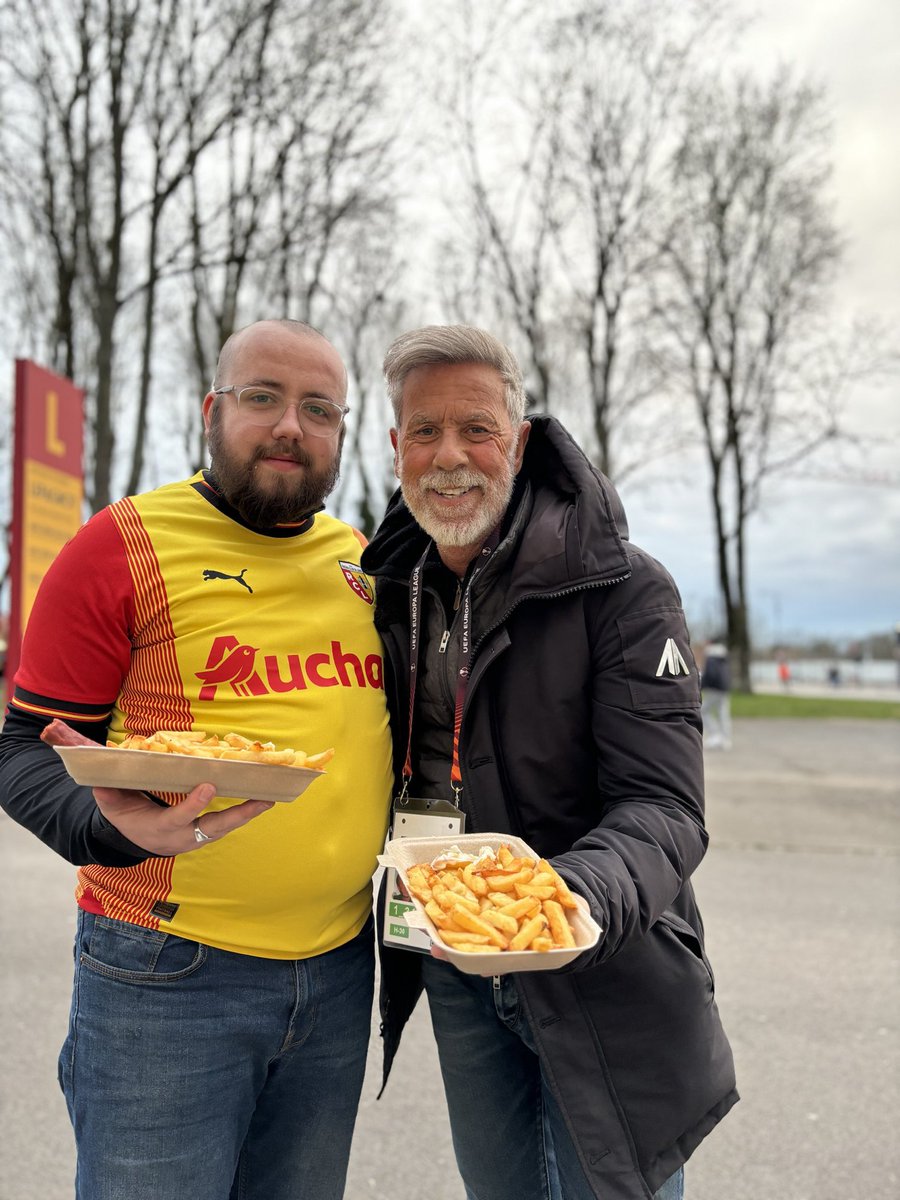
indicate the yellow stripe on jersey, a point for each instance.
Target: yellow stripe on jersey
{"x":153,"y":694}
{"x":273,"y":638}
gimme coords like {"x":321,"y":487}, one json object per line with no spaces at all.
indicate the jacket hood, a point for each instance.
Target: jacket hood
{"x":569,"y":527}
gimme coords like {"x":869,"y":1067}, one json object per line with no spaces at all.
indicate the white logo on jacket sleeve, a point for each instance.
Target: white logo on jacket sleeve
{"x":672,"y":660}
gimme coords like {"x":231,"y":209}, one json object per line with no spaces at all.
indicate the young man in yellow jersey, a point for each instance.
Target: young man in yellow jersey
{"x":224,"y":960}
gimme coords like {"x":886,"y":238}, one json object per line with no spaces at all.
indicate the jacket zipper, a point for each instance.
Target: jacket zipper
{"x":456,"y":603}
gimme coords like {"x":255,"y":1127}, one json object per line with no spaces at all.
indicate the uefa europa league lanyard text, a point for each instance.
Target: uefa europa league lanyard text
{"x":465,"y":658}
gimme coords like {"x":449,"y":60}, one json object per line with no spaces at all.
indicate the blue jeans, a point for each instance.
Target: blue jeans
{"x":195,"y":1072}
{"x":519,"y":1148}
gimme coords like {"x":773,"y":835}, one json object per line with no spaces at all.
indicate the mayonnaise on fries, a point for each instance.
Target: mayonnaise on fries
{"x":197,"y":744}
{"x":494,"y":902}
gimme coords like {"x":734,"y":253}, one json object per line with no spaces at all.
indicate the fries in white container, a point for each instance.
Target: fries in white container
{"x":491,"y":903}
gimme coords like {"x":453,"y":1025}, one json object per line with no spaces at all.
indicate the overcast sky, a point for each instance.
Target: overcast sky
{"x":825,"y":555}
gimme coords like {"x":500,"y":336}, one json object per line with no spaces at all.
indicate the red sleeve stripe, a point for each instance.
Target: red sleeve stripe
{"x":152,"y":694}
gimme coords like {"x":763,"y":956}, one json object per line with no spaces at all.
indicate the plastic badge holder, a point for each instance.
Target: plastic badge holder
{"x":423,"y":819}
{"x":404,"y":853}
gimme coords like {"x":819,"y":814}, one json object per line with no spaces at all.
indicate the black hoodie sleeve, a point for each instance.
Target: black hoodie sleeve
{"x":37,"y":792}
{"x":651,"y":835}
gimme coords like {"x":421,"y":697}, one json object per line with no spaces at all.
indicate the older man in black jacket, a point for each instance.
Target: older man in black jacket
{"x":558,"y":653}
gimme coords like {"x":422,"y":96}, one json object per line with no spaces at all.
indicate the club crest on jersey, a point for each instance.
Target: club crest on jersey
{"x":358,"y":581}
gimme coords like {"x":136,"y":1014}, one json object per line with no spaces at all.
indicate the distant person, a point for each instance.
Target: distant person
{"x":834,"y":675}
{"x":224,"y":959}
{"x":715,"y":685}
{"x":856,"y":654}
{"x":784,"y":672}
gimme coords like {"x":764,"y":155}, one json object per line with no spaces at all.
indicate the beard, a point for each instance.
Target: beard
{"x":463,"y":529}
{"x":282,"y":500}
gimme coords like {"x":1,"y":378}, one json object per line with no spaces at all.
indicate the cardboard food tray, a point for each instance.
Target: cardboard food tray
{"x":403,"y":853}
{"x":149,"y":771}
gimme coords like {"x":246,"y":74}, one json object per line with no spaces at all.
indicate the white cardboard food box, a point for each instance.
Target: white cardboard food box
{"x":404,"y":853}
{"x":145,"y":770}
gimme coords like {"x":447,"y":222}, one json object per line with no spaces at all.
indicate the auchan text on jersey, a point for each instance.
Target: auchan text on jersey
{"x":236,"y":665}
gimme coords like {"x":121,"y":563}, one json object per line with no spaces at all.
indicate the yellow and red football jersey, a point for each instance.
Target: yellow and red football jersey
{"x":163,"y":612}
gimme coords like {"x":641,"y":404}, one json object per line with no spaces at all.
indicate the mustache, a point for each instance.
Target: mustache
{"x":460,"y":478}
{"x":282,"y":450}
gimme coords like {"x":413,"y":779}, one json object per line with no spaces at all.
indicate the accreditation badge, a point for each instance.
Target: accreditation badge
{"x":414,"y":817}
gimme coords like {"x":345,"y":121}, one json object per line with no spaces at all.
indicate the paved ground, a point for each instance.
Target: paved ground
{"x":800,"y":892}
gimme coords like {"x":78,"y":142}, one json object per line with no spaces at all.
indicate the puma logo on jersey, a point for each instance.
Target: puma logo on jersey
{"x":207,"y":575}
{"x":672,"y":661}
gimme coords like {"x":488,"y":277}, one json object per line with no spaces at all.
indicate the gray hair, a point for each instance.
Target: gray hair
{"x":437,"y":344}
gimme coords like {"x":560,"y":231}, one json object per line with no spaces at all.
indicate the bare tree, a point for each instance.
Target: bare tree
{"x":185,"y":109}
{"x":752,"y":251}
{"x":505,"y":138}
{"x":231,"y":145}
{"x":368,"y":309}
{"x":303,"y":173}
{"x":38,"y":221}
{"x":569,"y":192}
{"x":98,"y":148}
{"x":622,"y":71}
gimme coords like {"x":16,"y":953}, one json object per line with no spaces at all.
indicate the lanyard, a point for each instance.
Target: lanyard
{"x":465,"y":658}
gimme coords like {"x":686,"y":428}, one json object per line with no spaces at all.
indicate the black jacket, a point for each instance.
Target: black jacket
{"x":716,"y":673}
{"x":581,"y":734}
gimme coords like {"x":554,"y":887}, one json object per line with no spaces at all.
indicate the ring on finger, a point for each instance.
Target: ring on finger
{"x":199,"y":835}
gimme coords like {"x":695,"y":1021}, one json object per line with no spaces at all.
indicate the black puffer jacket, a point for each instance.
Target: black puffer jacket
{"x":581,"y":734}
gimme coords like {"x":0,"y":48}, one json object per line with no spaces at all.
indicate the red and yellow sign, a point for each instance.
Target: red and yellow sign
{"x":48,"y":485}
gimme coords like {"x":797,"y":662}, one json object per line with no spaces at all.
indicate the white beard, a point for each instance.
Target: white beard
{"x":462,"y":530}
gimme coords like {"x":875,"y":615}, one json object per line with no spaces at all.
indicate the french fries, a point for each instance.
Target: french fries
{"x":233,"y":747}
{"x":505,"y":903}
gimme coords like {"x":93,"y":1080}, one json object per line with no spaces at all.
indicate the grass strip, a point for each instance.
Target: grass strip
{"x":765,"y":705}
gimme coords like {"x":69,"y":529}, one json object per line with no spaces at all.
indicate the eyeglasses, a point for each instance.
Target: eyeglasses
{"x":257,"y":406}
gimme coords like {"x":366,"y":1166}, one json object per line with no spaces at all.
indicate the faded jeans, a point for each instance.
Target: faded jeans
{"x":520,"y":1149}
{"x":191,"y":1072}
{"x":716,"y":712}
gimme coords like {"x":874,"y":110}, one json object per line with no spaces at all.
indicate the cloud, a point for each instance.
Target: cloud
{"x":823,"y":552}
{"x":822,"y":556}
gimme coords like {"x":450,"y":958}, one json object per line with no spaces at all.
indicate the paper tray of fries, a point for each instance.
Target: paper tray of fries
{"x":484,"y":954}
{"x":147,"y":771}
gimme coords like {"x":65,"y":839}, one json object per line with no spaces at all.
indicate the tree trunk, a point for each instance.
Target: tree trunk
{"x":140,"y":421}
{"x":104,"y":435}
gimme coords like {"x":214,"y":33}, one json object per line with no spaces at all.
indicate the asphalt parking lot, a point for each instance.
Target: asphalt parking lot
{"x":801,"y":896}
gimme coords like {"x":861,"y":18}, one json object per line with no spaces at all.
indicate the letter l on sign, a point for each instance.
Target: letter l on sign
{"x":55,"y":445}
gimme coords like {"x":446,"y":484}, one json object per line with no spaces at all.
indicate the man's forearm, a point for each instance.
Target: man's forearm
{"x":38,"y":793}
